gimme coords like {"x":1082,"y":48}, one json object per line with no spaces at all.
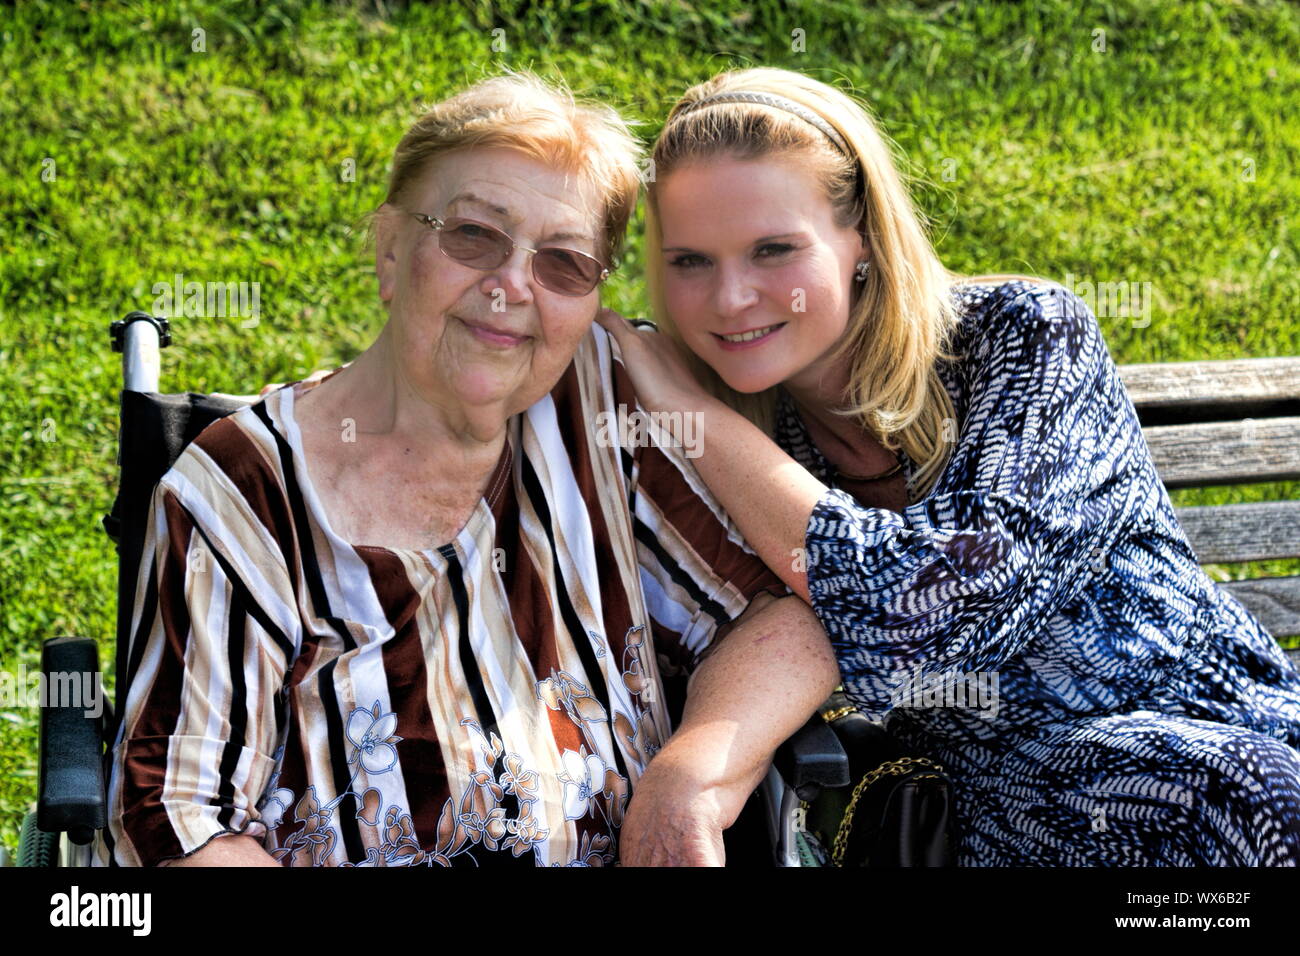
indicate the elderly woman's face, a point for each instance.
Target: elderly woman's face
{"x":492,"y":338}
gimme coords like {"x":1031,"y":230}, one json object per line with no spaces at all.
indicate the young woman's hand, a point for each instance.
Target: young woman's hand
{"x":660,"y":375}
{"x":318,"y":374}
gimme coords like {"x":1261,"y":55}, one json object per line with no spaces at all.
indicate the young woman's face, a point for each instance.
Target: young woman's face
{"x":751,"y":248}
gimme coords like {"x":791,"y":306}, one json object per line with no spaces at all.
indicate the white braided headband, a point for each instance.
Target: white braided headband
{"x":776,"y":102}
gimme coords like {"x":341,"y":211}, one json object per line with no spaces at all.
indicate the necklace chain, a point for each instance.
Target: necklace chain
{"x":836,"y":473}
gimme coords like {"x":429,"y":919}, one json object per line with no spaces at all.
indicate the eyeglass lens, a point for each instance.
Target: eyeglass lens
{"x":482,"y":247}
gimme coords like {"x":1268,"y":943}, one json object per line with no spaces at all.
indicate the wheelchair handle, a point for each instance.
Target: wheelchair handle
{"x":139,"y":336}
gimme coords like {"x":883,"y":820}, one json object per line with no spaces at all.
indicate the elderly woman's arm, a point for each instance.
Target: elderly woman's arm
{"x":755,"y":688}
{"x":200,"y":718}
{"x":229,"y":850}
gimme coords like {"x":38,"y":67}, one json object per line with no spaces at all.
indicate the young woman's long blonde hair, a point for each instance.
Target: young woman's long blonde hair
{"x":905,"y":317}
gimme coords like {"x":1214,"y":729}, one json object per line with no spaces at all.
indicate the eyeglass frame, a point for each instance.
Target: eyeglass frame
{"x":436,"y":224}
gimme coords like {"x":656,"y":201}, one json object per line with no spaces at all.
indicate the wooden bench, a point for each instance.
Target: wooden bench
{"x":1230,"y":423}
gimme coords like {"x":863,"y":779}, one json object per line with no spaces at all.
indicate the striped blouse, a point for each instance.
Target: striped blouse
{"x":491,"y":701}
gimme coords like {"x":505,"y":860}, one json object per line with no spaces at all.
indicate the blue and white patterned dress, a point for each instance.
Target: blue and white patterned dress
{"x":1134,"y":713}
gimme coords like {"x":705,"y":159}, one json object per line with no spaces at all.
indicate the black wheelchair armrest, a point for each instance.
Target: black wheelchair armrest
{"x":71,"y":784}
{"x":812,"y":760}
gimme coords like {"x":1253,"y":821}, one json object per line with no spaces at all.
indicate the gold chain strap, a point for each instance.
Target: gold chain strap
{"x":830,"y":716}
{"x":892,"y":767}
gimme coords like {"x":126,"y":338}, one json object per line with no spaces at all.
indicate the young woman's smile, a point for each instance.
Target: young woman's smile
{"x":748,"y":339}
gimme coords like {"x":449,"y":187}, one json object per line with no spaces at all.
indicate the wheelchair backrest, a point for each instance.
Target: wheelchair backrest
{"x":154,"y":430}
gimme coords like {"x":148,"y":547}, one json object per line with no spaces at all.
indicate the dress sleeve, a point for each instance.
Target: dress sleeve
{"x":1029,"y":507}
{"x":202,"y":715}
{"x":697,"y":572}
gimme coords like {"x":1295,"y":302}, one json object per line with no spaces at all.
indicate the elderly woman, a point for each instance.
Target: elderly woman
{"x":433,"y":608}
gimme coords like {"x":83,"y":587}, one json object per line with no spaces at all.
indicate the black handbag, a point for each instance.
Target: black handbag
{"x":895,"y":814}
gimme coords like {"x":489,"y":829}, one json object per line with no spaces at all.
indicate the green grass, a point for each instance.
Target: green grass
{"x":1123,"y":165}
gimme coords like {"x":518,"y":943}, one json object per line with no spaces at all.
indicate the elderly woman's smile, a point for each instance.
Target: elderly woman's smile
{"x":492,"y":334}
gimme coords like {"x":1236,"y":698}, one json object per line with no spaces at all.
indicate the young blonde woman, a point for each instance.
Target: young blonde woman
{"x":950,"y":471}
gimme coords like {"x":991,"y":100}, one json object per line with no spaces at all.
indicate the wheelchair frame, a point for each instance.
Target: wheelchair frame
{"x":140,"y":338}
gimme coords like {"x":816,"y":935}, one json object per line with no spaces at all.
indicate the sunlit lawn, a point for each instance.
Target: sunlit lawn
{"x":1135,"y":142}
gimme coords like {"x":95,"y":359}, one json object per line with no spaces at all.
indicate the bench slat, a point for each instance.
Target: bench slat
{"x":1256,"y":531}
{"x":1218,"y":383}
{"x":1226,"y":453}
{"x":1275,"y":601}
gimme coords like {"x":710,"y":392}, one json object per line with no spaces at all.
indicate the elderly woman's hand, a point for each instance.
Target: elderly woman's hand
{"x":760,"y":679}
{"x":660,"y":375}
{"x":672,"y":820}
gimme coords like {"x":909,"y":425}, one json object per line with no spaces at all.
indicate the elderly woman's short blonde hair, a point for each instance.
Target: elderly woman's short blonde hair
{"x":543,"y":121}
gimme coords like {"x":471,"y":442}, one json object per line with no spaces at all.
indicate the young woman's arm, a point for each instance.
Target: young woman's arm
{"x":768,"y":494}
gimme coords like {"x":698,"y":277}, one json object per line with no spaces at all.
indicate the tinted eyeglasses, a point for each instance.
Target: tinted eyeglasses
{"x":481,"y":246}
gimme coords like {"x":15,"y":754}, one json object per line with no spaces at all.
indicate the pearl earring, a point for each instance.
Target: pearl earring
{"x":860,"y":272}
